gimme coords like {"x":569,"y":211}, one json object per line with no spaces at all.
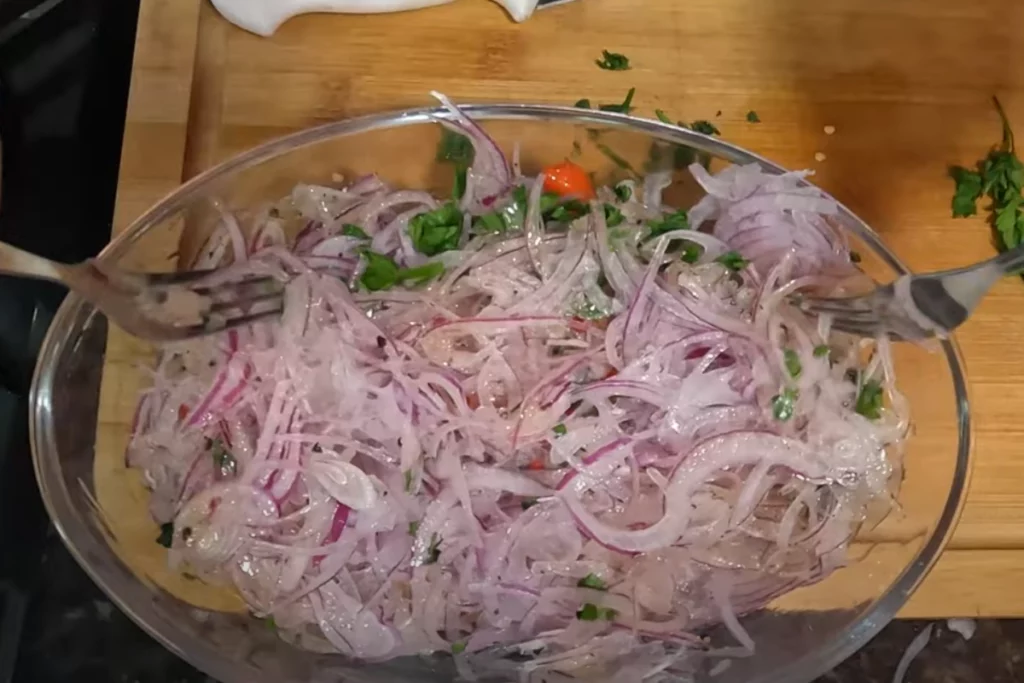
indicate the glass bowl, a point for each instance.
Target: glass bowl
{"x":89,"y":374}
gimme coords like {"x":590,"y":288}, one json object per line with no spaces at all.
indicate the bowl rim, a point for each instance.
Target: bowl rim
{"x":67,"y":321}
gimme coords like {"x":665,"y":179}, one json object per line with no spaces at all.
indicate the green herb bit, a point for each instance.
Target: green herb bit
{"x":414,"y":527}
{"x":822,"y":351}
{"x":732,"y":260}
{"x":489,"y":223}
{"x":752,"y":117}
{"x":270,"y":623}
{"x":591,"y":612}
{"x":459,"y":185}
{"x":592,"y":581}
{"x":527,"y":503}
{"x":869,"y":400}
{"x":408,"y":480}
{"x":421,"y":274}
{"x":455,"y":148}
{"x":353,"y":230}
{"x":166,"y":536}
{"x":663,"y":117}
{"x":967,"y":192}
{"x":783,"y":404}
{"x":792,"y":361}
{"x":560,"y":429}
{"x":615,"y":158}
{"x":222,"y":459}
{"x":564,"y":212}
{"x":677,"y":220}
{"x":435,"y":549}
{"x":582,"y":104}
{"x":625,"y":107}
{"x":458,"y":647}
{"x":622,"y":192}
{"x":437,"y":231}
{"x":612,"y":215}
{"x":705,"y":127}
{"x":380,"y":272}
{"x":613,"y":61}
{"x":691,"y":253}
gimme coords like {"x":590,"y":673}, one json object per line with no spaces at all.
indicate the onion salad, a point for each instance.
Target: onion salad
{"x":544,"y":427}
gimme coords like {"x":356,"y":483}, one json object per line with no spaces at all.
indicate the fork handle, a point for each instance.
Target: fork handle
{"x":20,"y":263}
{"x":1011,"y":260}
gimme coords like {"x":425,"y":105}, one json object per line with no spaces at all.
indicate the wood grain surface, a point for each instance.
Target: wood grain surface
{"x":906,"y":84}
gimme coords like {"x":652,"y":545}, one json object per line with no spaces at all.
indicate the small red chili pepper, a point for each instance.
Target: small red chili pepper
{"x":567,"y":179}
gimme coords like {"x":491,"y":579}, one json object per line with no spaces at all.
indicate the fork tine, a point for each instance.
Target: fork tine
{"x":245,"y":303}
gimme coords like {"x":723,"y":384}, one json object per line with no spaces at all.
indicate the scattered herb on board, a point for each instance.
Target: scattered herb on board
{"x":999,"y":176}
{"x":705,"y":127}
{"x":166,"y":534}
{"x":613,"y":61}
{"x":582,"y":104}
{"x":625,"y":107}
{"x":752,"y":117}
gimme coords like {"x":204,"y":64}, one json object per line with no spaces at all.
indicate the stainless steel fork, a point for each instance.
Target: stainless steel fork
{"x":160,"y":307}
{"x":917,"y":306}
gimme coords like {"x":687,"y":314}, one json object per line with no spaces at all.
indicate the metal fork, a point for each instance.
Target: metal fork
{"x":159,"y":307}
{"x":917,"y":306}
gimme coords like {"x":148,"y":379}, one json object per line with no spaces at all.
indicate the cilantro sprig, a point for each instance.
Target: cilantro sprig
{"x":382,"y":272}
{"x":1000,"y":177}
{"x":613,"y":61}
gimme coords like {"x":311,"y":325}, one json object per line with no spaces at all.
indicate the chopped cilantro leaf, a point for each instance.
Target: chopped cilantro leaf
{"x":567,"y":211}
{"x":677,"y":220}
{"x":783,"y":404}
{"x":623,"y":192}
{"x":413,"y":528}
{"x":752,"y":117}
{"x":592,"y":581}
{"x":582,"y":104}
{"x":869,"y":400}
{"x":437,"y":231}
{"x":613,"y":61}
{"x":458,"y":647}
{"x":968,"y":190}
{"x":455,"y":148}
{"x":489,"y":223}
{"x":591,"y":612}
{"x":705,"y":128}
{"x":792,"y":360}
{"x":691,"y":253}
{"x":421,"y":274}
{"x":353,"y":230}
{"x":732,"y":260}
{"x":625,"y":107}
{"x":615,"y":158}
{"x":560,"y":429}
{"x":663,"y":117}
{"x":612,"y":215}
{"x":408,"y":480}
{"x":166,"y":536}
{"x":270,"y":623}
{"x":822,"y":351}
{"x":380,"y":273}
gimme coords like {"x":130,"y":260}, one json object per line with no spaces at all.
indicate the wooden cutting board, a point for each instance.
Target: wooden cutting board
{"x":906,"y":84}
